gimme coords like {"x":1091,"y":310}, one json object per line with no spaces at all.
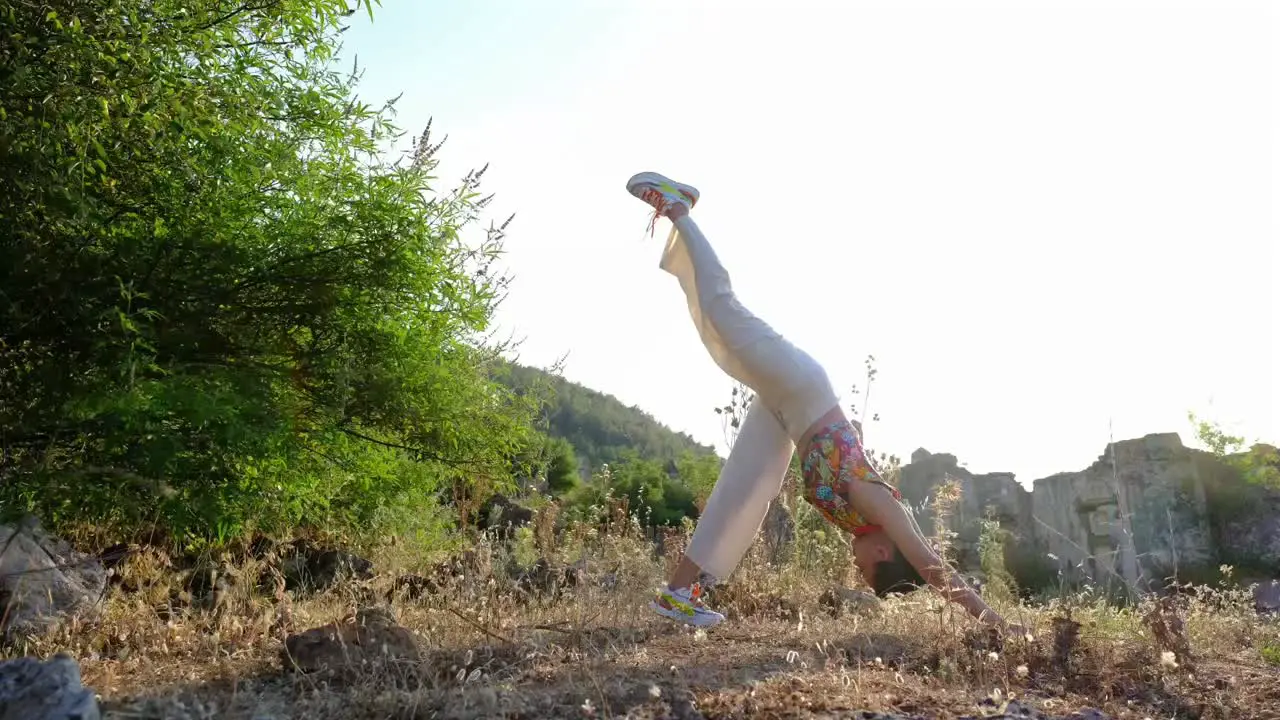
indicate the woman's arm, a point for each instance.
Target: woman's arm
{"x":879,"y":506}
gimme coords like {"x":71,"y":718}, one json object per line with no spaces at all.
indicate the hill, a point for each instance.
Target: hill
{"x":601,"y":428}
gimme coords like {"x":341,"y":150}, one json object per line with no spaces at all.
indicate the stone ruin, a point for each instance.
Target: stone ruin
{"x":1147,"y":511}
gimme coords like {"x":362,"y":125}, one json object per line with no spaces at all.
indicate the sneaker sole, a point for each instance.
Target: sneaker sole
{"x":653,"y":178}
{"x":679,"y":616}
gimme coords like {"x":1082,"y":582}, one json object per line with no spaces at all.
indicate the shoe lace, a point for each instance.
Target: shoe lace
{"x":654,"y":197}
{"x":695,"y":594}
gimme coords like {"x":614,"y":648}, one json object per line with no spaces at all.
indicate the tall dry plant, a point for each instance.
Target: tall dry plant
{"x":945,"y":499}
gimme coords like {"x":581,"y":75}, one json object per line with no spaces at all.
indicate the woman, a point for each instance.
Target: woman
{"x":795,"y":407}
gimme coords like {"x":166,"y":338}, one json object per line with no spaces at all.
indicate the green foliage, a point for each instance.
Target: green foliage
{"x":819,"y":545}
{"x":661,"y":474}
{"x":549,"y":460}
{"x":1244,"y":490}
{"x":1259,"y":464}
{"x":699,"y":473}
{"x":654,"y":491}
{"x":524,"y":548}
{"x":1270,"y":653}
{"x":601,"y":429}
{"x":221,"y":306}
{"x":563,"y":475}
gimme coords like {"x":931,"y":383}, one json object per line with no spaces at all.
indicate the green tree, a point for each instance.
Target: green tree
{"x":698,"y":473}
{"x":562,"y":471}
{"x":599,"y":426}
{"x":220,"y":304}
{"x":652,"y":489}
{"x":1258,"y":464}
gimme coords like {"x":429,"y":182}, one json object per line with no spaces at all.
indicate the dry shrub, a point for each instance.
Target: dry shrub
{"x":205,"y":641}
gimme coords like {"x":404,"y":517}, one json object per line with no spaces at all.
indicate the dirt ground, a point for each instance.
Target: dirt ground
{"x":636,"y":666}
{"x":489,"y":645}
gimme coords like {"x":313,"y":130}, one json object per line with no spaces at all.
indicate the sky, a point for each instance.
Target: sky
{"x":1051,"y":223}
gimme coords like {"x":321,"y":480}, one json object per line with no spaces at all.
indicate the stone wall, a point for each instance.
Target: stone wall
{"x":1147,"y":510}
{"x":995,"y":495}
{"x":1155,"y":482}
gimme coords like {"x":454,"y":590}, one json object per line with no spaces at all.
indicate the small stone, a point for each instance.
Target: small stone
{"x":48,"y":690}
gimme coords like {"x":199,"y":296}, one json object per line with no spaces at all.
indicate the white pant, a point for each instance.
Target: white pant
{"x":792,"y":392}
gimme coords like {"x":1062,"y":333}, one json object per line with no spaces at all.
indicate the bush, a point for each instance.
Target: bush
{"x":223,"y":308}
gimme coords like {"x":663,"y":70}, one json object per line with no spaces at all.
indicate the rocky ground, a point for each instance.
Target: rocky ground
{"x":301,"y":630}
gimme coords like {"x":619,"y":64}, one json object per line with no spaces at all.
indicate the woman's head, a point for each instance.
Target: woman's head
{"x":883,"y":565}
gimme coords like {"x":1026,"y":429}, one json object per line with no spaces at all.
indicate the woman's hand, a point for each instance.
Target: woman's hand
{"x":876,"y":504}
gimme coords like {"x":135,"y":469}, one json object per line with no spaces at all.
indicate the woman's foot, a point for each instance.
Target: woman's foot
{"x":667,"y":197}
{"x":685,"y":605}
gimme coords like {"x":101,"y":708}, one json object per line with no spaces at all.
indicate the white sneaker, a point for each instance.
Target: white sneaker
{"x":685,"y":605}
{"x":660,"y":193}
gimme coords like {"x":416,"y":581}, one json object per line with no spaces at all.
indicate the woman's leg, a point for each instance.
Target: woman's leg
{"x":788,"y":380}
{"x":749,"y":481}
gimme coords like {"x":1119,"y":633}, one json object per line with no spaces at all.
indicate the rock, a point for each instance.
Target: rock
{"x":412,"y":587}
{"x":1018,"y":710}
{"x":327,"y":566}
{"x":1266,"y":597}
{"x":545,"y":580}
{"x":839,"y":600}
{"x":995,"y":495}
{"x":464,"y":573}
{"x":1147,"y":507}
{"x":43,"y":580}
{"x":310,"y":568}
{"x":35,"y":690}
{"x":779,"y":530}
{"x":112,"y":557}
{"x":501,"y":516}
{"x":371,"y":636}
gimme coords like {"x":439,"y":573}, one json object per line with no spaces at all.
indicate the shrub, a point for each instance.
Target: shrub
{"x":224,"y":308}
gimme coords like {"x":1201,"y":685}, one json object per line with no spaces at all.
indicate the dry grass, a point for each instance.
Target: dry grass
{"x":493,"y":650}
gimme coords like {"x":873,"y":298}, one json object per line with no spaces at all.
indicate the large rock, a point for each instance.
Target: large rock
{"x":35,"y":690}
{"x":43,"y":580}
{"x":1137,"y":514}
{"x":1146,"y":510}
{"x":369,"y":637}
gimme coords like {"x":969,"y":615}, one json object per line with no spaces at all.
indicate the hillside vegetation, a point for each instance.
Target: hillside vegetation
{"x":601,"y":428}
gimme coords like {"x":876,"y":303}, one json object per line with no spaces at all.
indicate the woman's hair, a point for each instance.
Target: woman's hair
{"x":896,"y":575}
